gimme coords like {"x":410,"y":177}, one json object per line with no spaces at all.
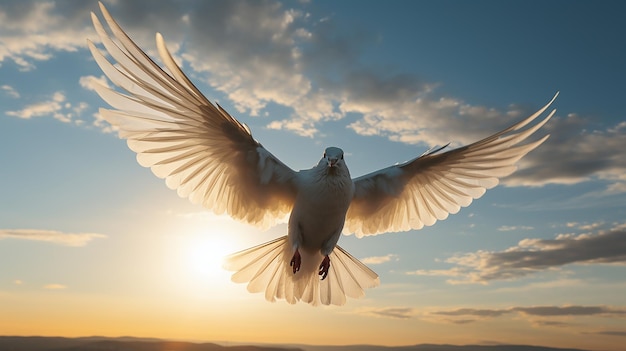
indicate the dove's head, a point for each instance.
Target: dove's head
{"x":333,"y":156}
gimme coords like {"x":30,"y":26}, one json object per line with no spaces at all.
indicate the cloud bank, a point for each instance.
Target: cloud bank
{"x":389,"y":312}
{"x":258,"y":54}
{"x":530,"y":256}
{"x":575,"y":317}
{"x":539,"y":311}
{"x":33,"y":31}
{"x":51,"y":236}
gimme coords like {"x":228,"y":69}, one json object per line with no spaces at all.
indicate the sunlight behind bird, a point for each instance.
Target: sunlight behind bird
{"x":205,"y":254}
{"x":195,"y":255}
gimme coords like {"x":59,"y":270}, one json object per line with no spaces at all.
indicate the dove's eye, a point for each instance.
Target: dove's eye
{"x":324,"y":155}
{"x":342,"y":156}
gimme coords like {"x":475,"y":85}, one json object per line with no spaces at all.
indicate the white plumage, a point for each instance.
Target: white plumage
{"x":212,"y":159}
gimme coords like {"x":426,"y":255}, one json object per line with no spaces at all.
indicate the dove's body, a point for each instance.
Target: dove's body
{"x":319,"y":212}
{"x":211,"y":158}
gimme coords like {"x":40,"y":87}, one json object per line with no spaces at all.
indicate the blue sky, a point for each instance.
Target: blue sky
{"x":91,"y":243}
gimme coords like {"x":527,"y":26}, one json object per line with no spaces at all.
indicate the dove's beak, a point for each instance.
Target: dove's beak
{"x":332,"y":162}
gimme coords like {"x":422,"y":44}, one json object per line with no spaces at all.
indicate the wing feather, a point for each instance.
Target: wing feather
{"x":427,"y":189}
{"x":199,"y":148}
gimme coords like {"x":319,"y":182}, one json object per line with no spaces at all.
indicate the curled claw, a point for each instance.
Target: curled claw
{"x":324,"y":267}
{"x":296,"y":261}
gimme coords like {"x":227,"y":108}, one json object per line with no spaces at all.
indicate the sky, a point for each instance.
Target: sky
{"x":91,"y":243}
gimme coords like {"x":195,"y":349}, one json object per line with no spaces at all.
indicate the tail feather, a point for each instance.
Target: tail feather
{"x":266,"y":269}
{"x":356,"y":276}
{"x":265,"y":273}
{"x":333,"y":292}
{"x":249,"y":263}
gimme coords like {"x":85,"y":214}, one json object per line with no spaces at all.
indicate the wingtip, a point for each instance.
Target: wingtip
{"x":107,"y":15}
{"x":102,"y":7}
{"x":94,"y":18}
{"x":554,"y":97}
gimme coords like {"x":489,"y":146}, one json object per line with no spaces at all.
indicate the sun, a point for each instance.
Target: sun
{"x":194,"y":253}
{"x":205,"y":254}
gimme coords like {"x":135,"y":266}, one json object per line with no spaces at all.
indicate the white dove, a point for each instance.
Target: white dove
{"x":212,"y":159}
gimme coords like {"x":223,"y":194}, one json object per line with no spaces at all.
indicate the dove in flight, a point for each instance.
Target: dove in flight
{"x":211,"y":158}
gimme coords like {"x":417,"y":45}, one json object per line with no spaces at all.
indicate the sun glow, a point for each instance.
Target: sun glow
{"x":205,"y":255}
{"x":196,"y":250}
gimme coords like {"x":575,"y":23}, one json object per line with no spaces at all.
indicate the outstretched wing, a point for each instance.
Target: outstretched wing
{"x":200,"y":150}
{"x":421,"y":191}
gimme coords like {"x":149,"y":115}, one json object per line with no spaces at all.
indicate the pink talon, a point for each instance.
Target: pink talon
{"x":296,"y":261}
{"x":324,"y":267}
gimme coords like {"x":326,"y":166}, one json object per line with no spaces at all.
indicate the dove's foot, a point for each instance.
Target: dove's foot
{"x":296,"y":260}
{"x":324,"y":267}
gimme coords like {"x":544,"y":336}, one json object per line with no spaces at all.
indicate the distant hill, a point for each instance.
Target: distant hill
{"x":37,"y":343}
{"x":428,"y":347}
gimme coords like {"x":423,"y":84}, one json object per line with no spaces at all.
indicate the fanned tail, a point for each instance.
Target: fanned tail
{"x":266,"y":269}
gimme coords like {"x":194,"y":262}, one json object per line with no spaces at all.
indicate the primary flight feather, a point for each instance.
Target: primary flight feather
{"x":212,"y":159}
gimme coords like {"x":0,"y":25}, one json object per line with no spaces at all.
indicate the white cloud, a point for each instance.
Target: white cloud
{"x":78,"y":108}
{"x":89,"y":82}
{"x":591,"y":226}
{"x":615,"y":188}
{"x":452,"y":272}
{"x":301,"y":127}
{"x":34,"y":31}
{"x":51,"y":107}
{"x":51,"y":236}
{"x":259,"y":60}
{"x":55,"y":286}
{"x":510,"y":228}
{"x":380,"y":259}
{"x":10,"y":91}
{"x":55,"y":106}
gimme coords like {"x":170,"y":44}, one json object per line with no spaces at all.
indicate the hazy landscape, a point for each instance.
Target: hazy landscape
{"x":36,"y":343}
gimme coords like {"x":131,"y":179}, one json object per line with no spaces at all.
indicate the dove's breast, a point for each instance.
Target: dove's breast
{"x":320,"y":210}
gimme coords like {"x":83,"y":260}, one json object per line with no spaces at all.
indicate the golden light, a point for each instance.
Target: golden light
{"x":205,"y":254}
{"x":192,"y":251}
{"x":196,"y":248}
